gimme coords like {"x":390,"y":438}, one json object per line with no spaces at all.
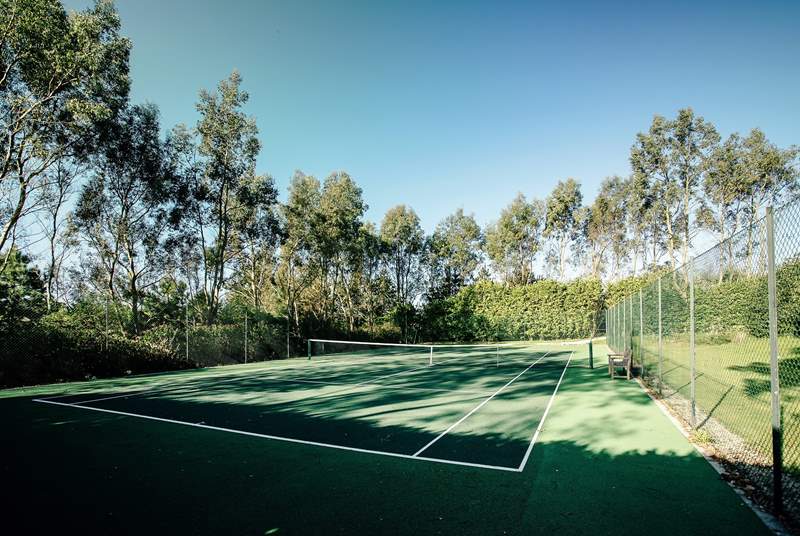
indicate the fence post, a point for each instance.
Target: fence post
{"x":641,"y":331}
{"x":186,"y":327}
{"x":610,"y":329}
{"x":630,"y":330}
{"x":624,"y":340}
{"x":630,"y":336}
{"x":777,"y":439}
{"x":692,"y":342}
{"x":245,"y":336}
{"x":660,"y":347}
{"x":106,"y":326}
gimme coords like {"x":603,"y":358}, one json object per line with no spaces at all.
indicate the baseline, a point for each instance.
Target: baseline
{"x":280,"y":438}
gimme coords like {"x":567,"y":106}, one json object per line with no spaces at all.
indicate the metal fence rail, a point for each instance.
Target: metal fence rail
{"x":718,"y":339}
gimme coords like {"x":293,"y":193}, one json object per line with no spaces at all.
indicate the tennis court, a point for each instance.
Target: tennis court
{"x":510,"y":439}
{"x":476,"y":405}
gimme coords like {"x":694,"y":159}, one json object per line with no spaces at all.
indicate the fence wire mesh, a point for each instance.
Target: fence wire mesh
{"x":97,"y":337}
{"x":700,"y":337}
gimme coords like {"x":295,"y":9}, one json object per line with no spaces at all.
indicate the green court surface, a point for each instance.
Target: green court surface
{"x":524,"y":440}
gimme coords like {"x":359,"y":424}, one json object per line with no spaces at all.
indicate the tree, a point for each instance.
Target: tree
{"x":60,"y":77}
{"x":57,"y":225}
{"x":771,"y":176}
{"x":404,"y":240}
{"x":561,"y":223}
{"x":603,"y":224}
{"x":123,"y":210}
{"x":336,"y":230}
{"x":672,"y":157}
{"x":258,"y":241}
{"x":21,"y":292}
{"x":221,"y":193}
{"x":454,"y":253}
{"x":513,"y":242}
{"x":293,"y":275}
{"x":726,"y":189}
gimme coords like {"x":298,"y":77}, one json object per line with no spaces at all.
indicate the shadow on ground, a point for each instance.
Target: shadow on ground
{"x":68,"y":470}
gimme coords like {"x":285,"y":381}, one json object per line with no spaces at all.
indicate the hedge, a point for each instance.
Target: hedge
{"x":493,"y":311}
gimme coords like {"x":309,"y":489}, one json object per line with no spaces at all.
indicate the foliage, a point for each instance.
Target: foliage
{"x":62,"y":347}
{"x":62,"y":76}
{"x":514,"y":240}
{"x":22,"y":298}
{"x":182,"y":235}
{"x":542,"y":310}
{"x":562,"y":223}
{"x":454,"y":253}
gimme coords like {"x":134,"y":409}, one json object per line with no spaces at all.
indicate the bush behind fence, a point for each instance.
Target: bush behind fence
{"x":704,"y":341}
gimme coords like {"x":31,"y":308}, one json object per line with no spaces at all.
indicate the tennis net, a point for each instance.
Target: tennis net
{"x":423,"y":354}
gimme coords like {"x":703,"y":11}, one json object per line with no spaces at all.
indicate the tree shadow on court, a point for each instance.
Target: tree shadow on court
{"x":80,"y":471}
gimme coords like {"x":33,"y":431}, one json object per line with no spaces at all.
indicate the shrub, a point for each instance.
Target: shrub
{"x":493,"y":311}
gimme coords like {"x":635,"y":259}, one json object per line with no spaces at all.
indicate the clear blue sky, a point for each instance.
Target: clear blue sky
{"x":441,"y":105}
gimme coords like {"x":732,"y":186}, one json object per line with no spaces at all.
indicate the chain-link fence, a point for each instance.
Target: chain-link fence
{"x":719,"y":340}
{"x":99,"y":337}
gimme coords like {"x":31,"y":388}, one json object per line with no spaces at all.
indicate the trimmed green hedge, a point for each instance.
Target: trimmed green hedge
{"x":493,"y":311}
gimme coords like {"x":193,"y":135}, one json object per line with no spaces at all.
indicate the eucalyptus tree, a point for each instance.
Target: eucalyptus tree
{"x":642,"y":220}
{"x":672,"y":157}
{"x":514,"y":240}
{"x":604,"y":225}
{"x":726,"y":189}
{"x":123,"y":210}
{"x":454,"y":253}
{"x":365,"y":288}
{"x":221,"y":193}
{"x":294,"y":273}
{"x":257,"y":240}
{"x":336,"y":227}
{"x":561,"y":223}
{"x":60,"y":75}
{"x":402,"y":234}
{"x":770,"y":175}
{"x":57,"y":224}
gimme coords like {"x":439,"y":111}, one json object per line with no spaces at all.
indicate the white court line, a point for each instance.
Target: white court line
{"x":285,"y":439}
{"x":544,"y":416}
{"x":479,"y":406}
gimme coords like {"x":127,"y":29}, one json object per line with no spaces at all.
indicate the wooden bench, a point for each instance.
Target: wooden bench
{"x":618,"y":361}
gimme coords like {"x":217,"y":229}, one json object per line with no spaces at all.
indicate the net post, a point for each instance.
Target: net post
{"x":591,"y":355}
{"x":692,"y":355}
{"x":660,"y":347}
{"x":430,"y":358}
{"x":309,"y":348}
{"x":777,"y":432}
{"x":497,"y":356}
